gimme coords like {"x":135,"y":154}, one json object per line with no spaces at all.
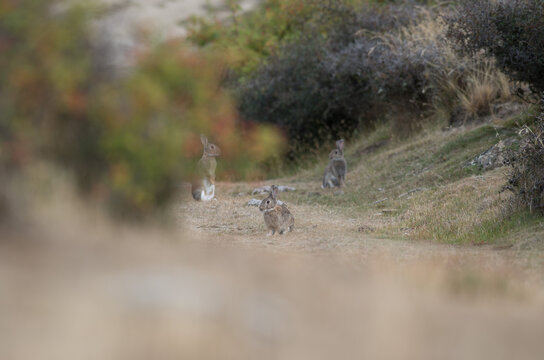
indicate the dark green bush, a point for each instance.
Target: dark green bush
{"x":297,"y":91}
{"x":510,"y":31}
{"x":319,"y":88}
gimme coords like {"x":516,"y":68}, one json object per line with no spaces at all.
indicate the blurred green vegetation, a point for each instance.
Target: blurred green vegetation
{"x":128,"y":140}
{"x":246,"y":39}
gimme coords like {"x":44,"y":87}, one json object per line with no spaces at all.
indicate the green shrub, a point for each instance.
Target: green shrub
{"x":246,"y":39}
{"x":297,"y":92}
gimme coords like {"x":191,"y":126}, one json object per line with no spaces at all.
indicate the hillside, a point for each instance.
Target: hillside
{"x":429,"y":187}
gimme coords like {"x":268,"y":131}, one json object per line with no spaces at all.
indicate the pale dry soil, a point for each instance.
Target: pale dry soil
{"x":74,"y":285}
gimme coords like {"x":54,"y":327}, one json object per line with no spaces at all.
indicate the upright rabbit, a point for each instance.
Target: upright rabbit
{"x":204,"y":188}
{"x":276,"y":217}
{"x":335,"y":172}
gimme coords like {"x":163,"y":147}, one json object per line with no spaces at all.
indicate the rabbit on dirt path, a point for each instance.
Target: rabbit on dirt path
{"x":277,"y":217}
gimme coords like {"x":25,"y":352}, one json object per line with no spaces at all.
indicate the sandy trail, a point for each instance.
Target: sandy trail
{"x":321,"y":230}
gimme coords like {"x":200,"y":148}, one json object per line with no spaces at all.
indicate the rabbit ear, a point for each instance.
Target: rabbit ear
{"x":203,"y":139}
{"x":274,"y":191}
{"x":340,"y":144}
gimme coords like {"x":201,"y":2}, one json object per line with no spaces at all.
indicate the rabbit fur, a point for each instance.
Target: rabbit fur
{"x":204,"y":188}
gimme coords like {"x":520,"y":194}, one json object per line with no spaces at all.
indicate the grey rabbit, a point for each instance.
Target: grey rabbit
{"x":335,"y":172}
{"x":277,"y":217}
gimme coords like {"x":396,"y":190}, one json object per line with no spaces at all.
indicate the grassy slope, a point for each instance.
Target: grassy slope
{"x":422,"y":188}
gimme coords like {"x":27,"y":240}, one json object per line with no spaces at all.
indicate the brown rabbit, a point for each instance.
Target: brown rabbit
{"x":335,"y":172}
{"x":204,"y":188}
{"x":276,"y":217}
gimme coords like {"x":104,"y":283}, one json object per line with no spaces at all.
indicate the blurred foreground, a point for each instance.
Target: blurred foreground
{"x":75,"y":286}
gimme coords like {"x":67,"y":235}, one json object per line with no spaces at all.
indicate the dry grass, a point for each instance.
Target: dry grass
{"x":475,"y":84}
{"x":484,"y":87}
{"x":459,"y":211}
{"x":478,"y":99}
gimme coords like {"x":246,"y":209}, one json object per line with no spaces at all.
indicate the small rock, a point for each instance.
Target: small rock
{"x":339,"y":192}
{"x":379,"y":201}
{"x":493,"y":157}
{"x":254,"y":202}
{"x":257,"y":202}
{"x":286,"y":188}
{"x":314,"y":193}
{"x":411,"y":192}
{"x":261,"y":190}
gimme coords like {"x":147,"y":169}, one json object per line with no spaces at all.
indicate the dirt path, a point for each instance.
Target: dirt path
{"x":324,"y":231}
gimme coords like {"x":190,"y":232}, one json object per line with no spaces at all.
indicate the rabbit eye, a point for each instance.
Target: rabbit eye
{"x":268,"y":202}
{"x":213,"y":147}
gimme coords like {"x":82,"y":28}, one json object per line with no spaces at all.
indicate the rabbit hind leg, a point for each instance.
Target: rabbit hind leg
{"x":328,"y":181}
{"x":208,"y":193}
